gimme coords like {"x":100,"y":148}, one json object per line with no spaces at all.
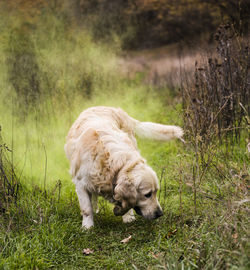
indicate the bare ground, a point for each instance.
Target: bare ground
{"x":167,"y":65}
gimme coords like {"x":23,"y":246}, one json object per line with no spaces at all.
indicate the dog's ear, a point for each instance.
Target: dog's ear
{"x":125,"y":193}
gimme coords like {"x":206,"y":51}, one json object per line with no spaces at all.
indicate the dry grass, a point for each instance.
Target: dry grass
{"x":167,"y":66}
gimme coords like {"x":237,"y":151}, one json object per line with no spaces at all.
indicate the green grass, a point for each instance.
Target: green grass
{"x":41,"y":229}
{"x":44,"y":230}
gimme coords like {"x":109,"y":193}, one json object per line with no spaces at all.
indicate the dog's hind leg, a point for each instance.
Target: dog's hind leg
{"x":129,"y":216}
{"x":85,"y":205}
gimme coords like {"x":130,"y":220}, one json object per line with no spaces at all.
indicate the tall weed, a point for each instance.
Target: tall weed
{"x":217,"y":104}
{"x":216,"y":120}
{"x":9,"y":183}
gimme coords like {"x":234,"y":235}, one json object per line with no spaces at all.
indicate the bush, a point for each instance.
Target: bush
{"x":147,"y":23}
{"x":24,"y":73}
{"x":216,"y":115}
{"x":9,"y":184}
{"x":216,"y":105}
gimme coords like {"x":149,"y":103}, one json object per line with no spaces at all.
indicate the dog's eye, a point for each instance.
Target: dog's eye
{"x":148,"y":195}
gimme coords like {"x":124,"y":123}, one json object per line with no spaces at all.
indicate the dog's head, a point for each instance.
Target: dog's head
{"x":137,"y":189}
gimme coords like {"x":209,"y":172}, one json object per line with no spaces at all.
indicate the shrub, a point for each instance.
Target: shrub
{"x":24,"y":73}
{"x":9,"y":185}
{"x":216,"y":113}
{"x":216,"y":105}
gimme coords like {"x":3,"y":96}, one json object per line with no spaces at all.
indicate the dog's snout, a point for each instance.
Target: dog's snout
{"x":158,"y":213}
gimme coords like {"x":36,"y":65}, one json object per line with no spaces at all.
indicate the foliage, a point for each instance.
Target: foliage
{"x":147,"y":23}
{"x":23,"y":67}
{"x":141,"y":23}
{"x":216,"y":111}
{"x":235,"y":12}
{"x":216,"y":104}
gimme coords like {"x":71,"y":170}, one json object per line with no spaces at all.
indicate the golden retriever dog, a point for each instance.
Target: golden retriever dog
{"x":104,"y":161}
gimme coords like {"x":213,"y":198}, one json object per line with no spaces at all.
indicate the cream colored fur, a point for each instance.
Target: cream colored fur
{"x":105,"y":161}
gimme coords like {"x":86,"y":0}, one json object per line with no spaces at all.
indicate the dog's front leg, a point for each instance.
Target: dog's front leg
{"x":85,"y":205}
{"x":95,"y":203}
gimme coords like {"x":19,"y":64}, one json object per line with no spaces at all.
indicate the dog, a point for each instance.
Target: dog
{"x":105,"y":161}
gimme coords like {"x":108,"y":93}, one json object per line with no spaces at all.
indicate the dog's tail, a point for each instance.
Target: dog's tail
{"x":157,"y":132}
{"x":150,"y":130}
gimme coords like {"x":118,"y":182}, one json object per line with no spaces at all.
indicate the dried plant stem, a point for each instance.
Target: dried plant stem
{"x":45,"y":170}
{"x":194,"y":189}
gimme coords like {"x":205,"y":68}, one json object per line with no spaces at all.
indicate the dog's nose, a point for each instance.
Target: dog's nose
{"x":158,"y":213}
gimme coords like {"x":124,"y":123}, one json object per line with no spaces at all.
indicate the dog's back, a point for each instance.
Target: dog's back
{"x":107,"y":119}
{"x":101,"y":119}
{"x":104,"y":118}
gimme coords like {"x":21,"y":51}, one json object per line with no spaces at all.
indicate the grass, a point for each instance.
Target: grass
{"x":43,"y":229}
{"x":202,"y":229}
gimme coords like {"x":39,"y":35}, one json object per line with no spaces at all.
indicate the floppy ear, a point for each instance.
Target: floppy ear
{"x":125,"y":194}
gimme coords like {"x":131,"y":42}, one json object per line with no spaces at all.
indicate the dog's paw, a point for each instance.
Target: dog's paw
{"x":128,"y":217}
{"x":87,"y":223}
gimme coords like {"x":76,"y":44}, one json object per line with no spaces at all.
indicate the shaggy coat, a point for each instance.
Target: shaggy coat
{"x":105,"y":161}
